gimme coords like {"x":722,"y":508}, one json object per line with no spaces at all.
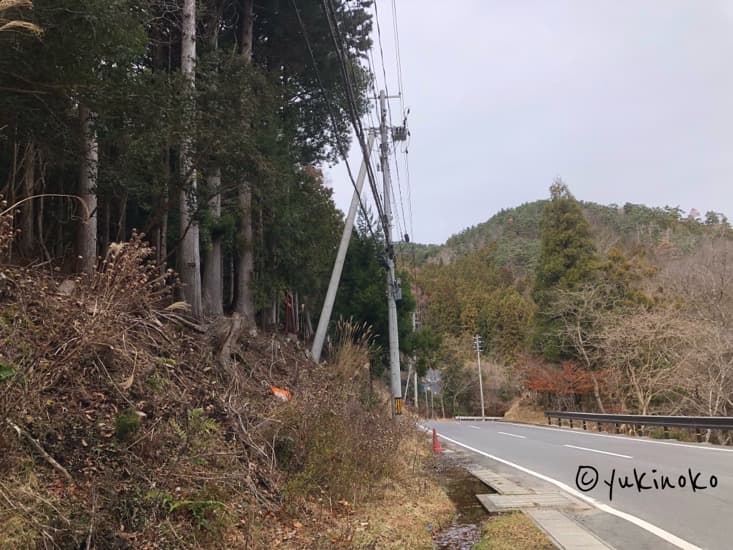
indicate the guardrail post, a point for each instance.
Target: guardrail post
{"x":584,"y":426}
{"x":549,"y":420}
{"x":571,"y":423}
{"x":617,"y":430}
{"x":666,"y":432}
{"x":698,"y":435}
{"x":599,"y":426}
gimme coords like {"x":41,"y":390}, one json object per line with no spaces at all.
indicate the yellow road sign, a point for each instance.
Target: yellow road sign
{"x":398,"y":405}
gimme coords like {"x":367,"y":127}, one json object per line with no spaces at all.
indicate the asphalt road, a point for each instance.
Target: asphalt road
{"x":682,"y":493}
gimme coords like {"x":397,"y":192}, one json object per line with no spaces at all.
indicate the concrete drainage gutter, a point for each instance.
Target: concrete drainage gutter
{"x":545,"y":509}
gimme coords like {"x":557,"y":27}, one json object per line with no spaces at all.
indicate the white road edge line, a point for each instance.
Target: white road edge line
{"x":513,"y":435}
{"x":635,"y":439}
{"x":658,"y":531}
{"x":474,"y":427}
{"x":596,"y":451}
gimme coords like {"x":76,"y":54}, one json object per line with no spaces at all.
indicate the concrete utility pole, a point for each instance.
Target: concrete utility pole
{"x":417,"y":408}
{"x":477,"y":343}
{"x":338,"y":265}
{"x":394,"y":344}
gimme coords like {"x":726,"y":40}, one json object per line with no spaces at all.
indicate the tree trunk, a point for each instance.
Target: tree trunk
{"x":245,"y":246}
{"x":27,"y":210}
{"x":162,"y":63}
{"x":308,"y":328}
{"x":107,"y":207}
{"x":122,"y":218}
{"x":597,"y":393}
{"x":165,"y":198}
{"x":213,"y":284}
{"x":232,"y":280}
{"x":40,"y":215}
{"x":87,"y":232}
{"x":213,"y":279}
{"x":189,"y":247}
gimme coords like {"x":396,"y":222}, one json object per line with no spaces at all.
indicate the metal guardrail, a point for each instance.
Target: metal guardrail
{"x":697,"y":423}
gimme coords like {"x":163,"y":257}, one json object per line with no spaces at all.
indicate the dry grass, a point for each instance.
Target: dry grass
{"x":162,"y":450}
{"x":151,"y":443}
{"x":409,"y":505}
{"x":160,"y":446}
{"x":398,"y":518}
{"x":337,"y":436}
{"x":8,"y":24}
{"x":514,"y":531}
{"x":522,"y":411}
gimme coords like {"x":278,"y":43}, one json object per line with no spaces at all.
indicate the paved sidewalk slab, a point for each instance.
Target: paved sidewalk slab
{"x":564,"y":532}
{"x":507,"y":503}
{"x":498,"y":483}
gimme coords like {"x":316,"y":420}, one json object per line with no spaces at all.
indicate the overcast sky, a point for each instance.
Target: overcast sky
{"x":626,"y":100}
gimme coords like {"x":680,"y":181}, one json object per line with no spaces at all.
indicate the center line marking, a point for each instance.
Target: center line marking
{"x":596,"y":451}
{"x":513,"y":435}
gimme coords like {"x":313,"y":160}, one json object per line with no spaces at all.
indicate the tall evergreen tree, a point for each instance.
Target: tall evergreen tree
{"x":567,"y":260}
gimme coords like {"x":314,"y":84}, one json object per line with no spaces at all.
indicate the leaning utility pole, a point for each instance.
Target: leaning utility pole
{"x":394,"y":345}
{"x":477,"y":343}
{"x":338,"y":265}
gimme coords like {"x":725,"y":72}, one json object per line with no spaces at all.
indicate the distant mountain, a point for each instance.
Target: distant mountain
{"x":515,"y":233}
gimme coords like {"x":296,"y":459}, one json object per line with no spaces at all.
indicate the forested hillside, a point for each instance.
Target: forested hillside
{"x":584,"y":306}
{"x":515,"y":232}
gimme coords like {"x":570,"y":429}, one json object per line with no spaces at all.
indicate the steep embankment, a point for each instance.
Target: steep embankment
{"x":125,"y":425}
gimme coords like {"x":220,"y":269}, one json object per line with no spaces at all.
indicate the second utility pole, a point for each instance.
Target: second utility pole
{"x":477,"y":341}
{"x":394,"y":344}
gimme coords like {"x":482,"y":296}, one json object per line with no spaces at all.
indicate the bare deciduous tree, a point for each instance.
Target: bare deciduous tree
{"x":650,"y":350}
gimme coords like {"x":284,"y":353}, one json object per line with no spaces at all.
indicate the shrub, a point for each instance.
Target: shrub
{"x":340,"y":435}
{"x":126,"y":424}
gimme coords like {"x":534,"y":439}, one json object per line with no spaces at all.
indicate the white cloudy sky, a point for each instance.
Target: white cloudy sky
{"x":626,"y":100}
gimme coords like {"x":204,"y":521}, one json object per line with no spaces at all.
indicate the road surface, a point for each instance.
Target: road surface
{"x":682,"y":493}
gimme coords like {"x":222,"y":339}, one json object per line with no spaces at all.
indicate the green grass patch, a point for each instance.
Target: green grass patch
{"x":514,"y":531}
{"x":6,"y":372}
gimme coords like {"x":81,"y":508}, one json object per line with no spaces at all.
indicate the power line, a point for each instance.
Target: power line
{"x":381,"y":50}
{"x":386,"y":88}
{"x":399,"y":187}
{"x":405,"y":150}
{"x":397,"y":55}
{"x":409,"y":189}
{"x":398,"y":219}
{"x":332,"y":117}
{"x":338,"y":43}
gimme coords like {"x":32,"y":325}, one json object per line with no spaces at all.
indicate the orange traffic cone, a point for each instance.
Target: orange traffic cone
{"x":436,"y":443}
